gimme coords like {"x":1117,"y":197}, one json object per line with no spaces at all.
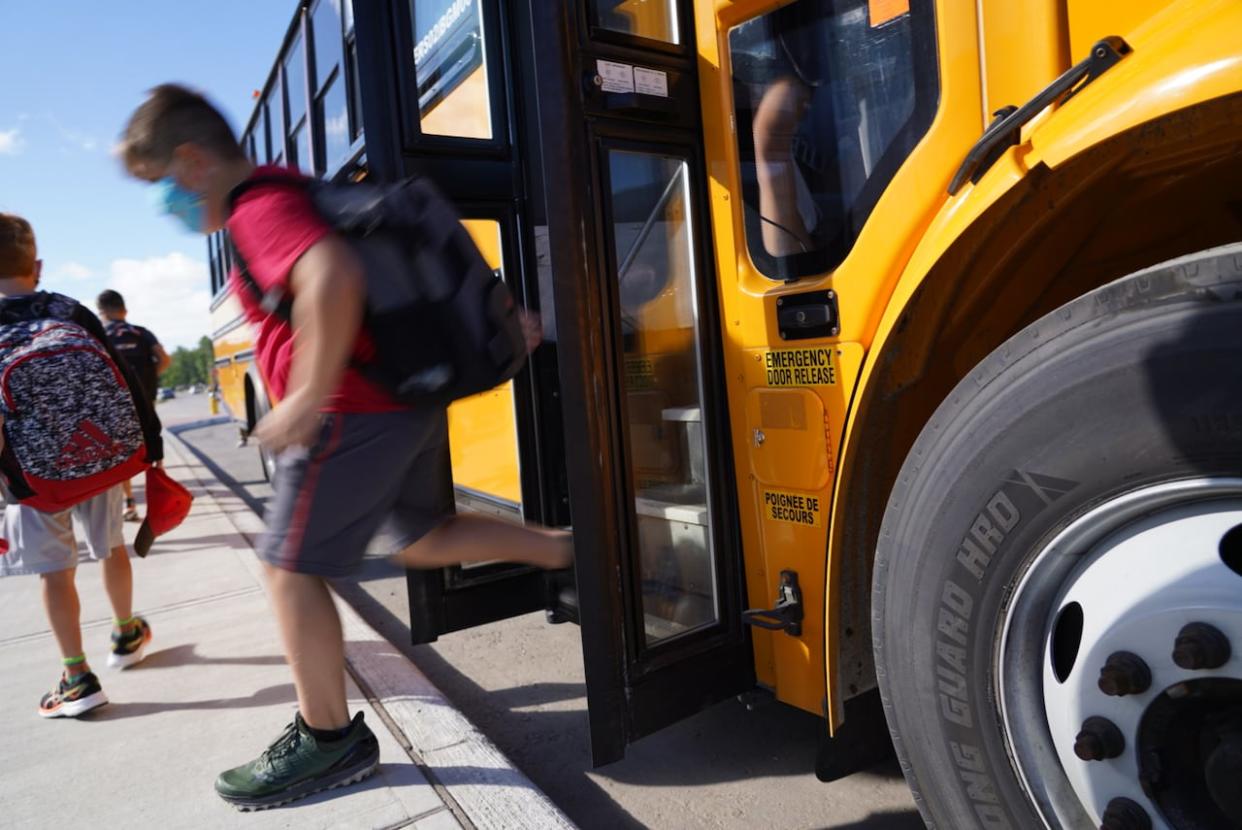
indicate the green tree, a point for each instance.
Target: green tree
{"x":189,"y":366}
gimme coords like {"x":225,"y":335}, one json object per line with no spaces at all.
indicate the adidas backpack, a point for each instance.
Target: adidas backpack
{"x":444,"y":325}
{"x":70,"y":424}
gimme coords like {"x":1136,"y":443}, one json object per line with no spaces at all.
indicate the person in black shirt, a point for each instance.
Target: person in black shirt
{"x":142,"y":353}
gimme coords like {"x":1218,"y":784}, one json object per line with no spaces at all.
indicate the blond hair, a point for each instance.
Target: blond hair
{"x":17,"y":246}
{"x":171,"y":116}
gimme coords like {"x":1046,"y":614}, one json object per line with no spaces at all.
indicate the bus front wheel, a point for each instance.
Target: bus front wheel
{"x":1057,"y":596}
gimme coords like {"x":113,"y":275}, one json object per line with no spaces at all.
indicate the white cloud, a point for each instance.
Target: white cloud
{"x":75,"y":271}
{"x":78,"y":138}
{"x":11,"y":142}
{"x":169,"y":295}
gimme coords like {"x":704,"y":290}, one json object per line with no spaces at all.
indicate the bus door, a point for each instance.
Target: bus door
{"x":658,"y":563}
{"x":438,"y":94}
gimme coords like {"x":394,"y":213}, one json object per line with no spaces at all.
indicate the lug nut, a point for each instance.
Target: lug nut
{"x":1099,"y":740}
{"x":1201,"y":646}
{"x":1124,"y":814}
{"x":1124,"y":673}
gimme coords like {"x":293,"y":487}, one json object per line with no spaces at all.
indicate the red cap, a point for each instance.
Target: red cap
{"x":168,"y":503}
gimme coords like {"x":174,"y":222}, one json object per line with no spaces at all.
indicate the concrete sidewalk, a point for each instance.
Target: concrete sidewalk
{"x":213,"y":690}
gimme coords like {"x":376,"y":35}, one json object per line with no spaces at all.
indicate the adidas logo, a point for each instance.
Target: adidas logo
{"x":88,"y":445}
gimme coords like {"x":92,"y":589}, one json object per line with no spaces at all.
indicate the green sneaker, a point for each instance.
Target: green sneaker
{"x":297,"y":765}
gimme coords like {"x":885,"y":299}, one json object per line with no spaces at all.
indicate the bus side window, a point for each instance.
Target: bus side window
{"x":451,"y":68}
{"x":652,"y":19}
{"x":331,"y":103}
{"x":295,"y":92}
{"x":828,"y":106}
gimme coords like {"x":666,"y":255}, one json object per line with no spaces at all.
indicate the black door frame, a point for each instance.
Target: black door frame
{"x":486,"y":179}
{"x":631,"y":690}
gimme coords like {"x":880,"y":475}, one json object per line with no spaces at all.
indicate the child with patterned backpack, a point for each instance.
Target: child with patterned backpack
{"x":74,"y":426}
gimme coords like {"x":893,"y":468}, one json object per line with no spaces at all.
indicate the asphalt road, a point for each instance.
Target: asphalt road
{"x":521,"y":682}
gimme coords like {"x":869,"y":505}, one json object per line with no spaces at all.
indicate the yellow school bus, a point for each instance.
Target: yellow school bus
{"x":892,"y":365}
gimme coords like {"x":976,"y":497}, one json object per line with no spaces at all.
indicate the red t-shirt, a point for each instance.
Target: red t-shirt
{"x":272,"y":226}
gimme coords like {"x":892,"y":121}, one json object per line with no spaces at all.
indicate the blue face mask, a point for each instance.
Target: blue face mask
{"x":171,"y":199}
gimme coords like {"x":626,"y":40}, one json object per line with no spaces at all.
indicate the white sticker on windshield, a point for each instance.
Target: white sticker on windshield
{"x":651,"y":81}
{"x":615,"y":77}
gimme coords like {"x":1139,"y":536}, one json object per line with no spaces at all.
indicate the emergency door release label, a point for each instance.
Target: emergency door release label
{"x":615,"y":77}
{"x":651,"y":81}
{"x":791,"y":508}
{"x":801,"y":367}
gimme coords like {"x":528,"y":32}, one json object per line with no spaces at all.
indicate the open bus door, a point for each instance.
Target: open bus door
{"x":659,"y":566}
{"x":569,"y":136}
{"x":448,"y":113}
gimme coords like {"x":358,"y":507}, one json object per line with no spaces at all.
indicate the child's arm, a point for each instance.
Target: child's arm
{"x":328,"y":290}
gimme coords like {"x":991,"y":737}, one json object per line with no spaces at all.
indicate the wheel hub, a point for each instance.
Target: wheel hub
{"x":1141,"y":686}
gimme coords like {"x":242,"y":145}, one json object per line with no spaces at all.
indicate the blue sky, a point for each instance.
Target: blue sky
{"x":72,"y":72}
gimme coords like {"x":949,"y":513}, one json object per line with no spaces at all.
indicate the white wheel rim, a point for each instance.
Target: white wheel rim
{"x":1140,"y":566}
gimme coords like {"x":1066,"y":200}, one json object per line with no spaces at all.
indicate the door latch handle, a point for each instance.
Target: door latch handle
{"x":787,"y":615}
{"x":760,"y":438}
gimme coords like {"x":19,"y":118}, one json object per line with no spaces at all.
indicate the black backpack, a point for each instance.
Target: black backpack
{"x":131,"y":344}
{"x":445,"y":326}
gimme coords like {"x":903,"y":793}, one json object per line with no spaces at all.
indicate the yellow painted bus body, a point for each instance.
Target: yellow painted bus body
{"x":917,"y":310}
{"x":232,"y":344}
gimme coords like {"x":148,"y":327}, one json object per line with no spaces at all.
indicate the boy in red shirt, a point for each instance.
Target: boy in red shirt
{"x":349,"y":457}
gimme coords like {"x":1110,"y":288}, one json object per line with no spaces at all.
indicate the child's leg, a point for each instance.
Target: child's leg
{"x":99,"y":522}
{"x":472,"y":537}
{"x":314,"y":645}
{"x":60,"y":601}
{"x":131,"y":511}
{"x":118,"y":580}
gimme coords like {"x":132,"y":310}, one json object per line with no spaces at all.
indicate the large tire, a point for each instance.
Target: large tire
{"x":1136,"y":383}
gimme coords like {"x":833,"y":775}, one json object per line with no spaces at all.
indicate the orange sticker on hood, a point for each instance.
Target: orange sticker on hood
{"x":883,"y":11}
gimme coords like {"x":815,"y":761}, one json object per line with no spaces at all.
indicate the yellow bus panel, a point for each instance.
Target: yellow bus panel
{"x":483,"y":441}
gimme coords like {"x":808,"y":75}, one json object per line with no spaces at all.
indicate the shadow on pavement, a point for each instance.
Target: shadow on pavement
{"x":190,"y":544}
{"x":270,"y":695}
{"x":186,"y":655}
{"x":898,"y":820}
{"x":233,"y":486}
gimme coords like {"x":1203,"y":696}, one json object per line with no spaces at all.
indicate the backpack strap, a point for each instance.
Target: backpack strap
{"x":297,"y":182}
{"x":276,"y":301}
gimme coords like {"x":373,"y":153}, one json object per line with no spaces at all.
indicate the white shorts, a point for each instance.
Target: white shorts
{"x":41,"y":543}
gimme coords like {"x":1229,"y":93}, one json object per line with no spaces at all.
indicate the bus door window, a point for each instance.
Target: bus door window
{"x":331,"y":93}
{"x":275,"y":119}
{"x":295,"y":91}
{"x":263,"y":150}
{"x":651,"y":19}
{"x":829,"y":102}
{"x":663,"y":392}
{"x":483,"y":437}
{"x":450,"y":66}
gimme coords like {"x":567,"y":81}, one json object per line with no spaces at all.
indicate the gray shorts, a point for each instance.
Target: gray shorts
{"x":366,"y":469}
{"x":41,"y":543}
